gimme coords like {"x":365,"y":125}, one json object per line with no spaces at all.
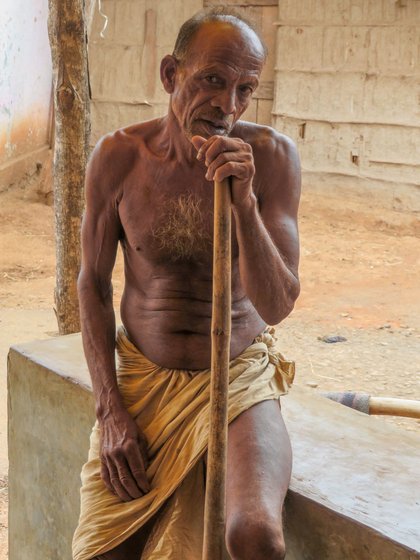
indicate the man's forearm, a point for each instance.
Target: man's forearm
{"x":98,"y":334}
{"x":268,"y":282}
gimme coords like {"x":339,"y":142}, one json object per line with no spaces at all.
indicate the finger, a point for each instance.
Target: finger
{"x":226,"y":157}
{"x":201,"y":155}
{"x":119,"y":489}
{"x":197,"y":141}
{"x":127,"y":480}
{"x":222,"y":144}
{"x":116,"y":485}
{"x":137,"y":465}
{"x":233,"y":169}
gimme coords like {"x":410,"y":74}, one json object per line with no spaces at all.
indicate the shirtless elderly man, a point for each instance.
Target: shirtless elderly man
{"x":150,"y":187}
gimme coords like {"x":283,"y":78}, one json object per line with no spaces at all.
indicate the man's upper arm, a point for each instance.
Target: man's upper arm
{"x":101,"y":228}
{"x":279,"y":195}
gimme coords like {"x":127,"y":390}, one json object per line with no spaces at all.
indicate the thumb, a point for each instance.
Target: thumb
{"x":198,"y":141}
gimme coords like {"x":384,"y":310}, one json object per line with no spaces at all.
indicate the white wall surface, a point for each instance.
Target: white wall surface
{"x":25,"y":78}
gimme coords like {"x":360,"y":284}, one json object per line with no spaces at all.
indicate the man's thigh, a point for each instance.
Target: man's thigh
{"x":259,"y":465}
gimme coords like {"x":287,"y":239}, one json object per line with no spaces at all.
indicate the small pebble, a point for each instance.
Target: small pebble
{"x":312,"y":384}
{"x":331,"y":339}
{"x":386,"y":326}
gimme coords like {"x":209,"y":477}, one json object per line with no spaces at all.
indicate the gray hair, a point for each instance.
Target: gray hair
{"x":192,"y":25}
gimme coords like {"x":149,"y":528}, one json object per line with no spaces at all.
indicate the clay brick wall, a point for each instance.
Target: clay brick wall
{"x":347,"y":90}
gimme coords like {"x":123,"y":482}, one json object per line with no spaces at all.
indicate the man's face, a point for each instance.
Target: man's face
{"x":215,"y":84}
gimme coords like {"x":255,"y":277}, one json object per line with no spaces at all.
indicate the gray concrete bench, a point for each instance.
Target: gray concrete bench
{"x":355,"y":491}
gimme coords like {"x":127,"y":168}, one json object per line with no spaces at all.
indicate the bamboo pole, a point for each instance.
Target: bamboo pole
{"x":390,"y":406}
{"x":67,"y":33}
{"x":394,"y":407}
{"x":214,"y":511}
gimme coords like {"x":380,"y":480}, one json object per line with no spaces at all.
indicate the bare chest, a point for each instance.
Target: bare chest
{"x":170,"y":221}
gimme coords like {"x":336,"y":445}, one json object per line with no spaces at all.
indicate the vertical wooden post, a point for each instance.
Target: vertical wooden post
{"x":214,"y":513}
{"x":67,"y":32}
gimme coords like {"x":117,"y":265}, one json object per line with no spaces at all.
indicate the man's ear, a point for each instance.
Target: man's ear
{"x":168,"y":70}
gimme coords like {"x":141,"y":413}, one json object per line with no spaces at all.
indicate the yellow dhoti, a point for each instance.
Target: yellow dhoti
{"x":171,"y":407}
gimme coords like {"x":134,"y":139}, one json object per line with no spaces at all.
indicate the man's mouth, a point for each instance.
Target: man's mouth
{"x":219,"y":127}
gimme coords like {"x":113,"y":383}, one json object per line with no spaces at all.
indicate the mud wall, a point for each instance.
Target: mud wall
{"x":124,"y":57}
{"x":264,"y":14}
{"x":25,"y":91}
{"x":347,"y":90}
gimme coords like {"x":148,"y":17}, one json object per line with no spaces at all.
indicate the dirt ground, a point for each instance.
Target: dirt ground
{"x":359,"y":274}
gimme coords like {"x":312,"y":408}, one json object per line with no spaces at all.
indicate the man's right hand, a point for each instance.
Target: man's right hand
{"x":123,"y":454}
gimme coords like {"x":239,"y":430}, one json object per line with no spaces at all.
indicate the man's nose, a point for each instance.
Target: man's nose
{"x":225,"y":101}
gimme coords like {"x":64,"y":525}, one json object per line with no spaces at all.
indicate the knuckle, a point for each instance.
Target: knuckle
{"x":117,"y":452}
{"x":127,"y":446}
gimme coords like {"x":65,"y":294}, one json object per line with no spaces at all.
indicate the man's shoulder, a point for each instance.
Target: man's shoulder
{"x":126,"y":141}
{"x":265,"y":139}
{"x":272,"y":150}
{"x":116,"y":154}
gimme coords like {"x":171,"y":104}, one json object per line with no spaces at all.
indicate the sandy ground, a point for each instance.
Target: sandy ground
{"x":360,"y":270}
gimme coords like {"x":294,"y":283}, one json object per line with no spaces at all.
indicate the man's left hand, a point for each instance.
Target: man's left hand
{"x":228,"y":157}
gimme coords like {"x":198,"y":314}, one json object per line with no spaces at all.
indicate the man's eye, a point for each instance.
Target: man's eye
{"x":246,"y":90}
{"x":213,"y":79}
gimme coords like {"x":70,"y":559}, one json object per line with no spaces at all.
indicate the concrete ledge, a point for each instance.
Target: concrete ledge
{"x":355,"y":491}
{"x":50,"y":418}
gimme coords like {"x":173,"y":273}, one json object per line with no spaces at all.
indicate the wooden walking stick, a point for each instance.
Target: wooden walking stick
{"x":214,"y":511}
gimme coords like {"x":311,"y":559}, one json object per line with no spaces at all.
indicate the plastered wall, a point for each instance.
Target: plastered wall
{"x":25,"y":77}
{"x":25,"y":89}
{"x":347,"y":89}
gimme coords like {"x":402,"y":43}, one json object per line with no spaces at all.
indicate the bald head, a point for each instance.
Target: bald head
{"x":224,"y":16}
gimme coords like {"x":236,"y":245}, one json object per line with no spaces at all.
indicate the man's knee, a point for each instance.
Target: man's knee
{"x":259,"y":538}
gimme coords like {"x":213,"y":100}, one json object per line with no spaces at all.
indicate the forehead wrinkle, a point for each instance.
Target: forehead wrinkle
{"x":231,"y":70}
{"x":228,"y":42}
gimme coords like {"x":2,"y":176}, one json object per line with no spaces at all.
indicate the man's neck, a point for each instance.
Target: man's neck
{"x":175,"y":141}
